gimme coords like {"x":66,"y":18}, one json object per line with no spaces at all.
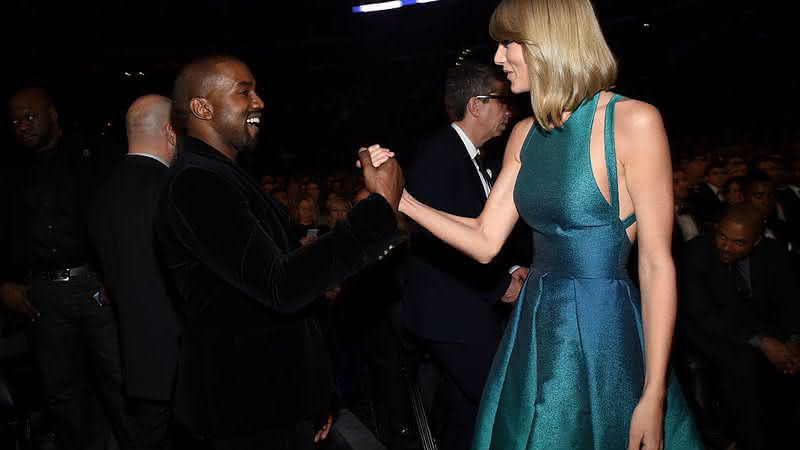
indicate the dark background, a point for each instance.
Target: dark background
{"x":720,"y":72}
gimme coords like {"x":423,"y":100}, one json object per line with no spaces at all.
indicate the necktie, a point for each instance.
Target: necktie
{"x":482,"y":169}
{"x":742,"y":286}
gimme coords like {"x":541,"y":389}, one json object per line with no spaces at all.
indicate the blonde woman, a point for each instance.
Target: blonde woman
{"x":590,"y":174}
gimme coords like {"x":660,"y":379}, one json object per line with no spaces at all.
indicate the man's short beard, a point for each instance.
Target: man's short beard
{"x":248,"y":145}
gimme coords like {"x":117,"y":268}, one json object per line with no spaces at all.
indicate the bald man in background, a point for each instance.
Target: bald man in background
{"x":121,"y":229}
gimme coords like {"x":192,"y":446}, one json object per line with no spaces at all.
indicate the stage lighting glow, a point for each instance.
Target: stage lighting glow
{"x":383,"y":6}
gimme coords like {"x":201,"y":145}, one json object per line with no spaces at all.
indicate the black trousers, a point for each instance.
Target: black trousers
{"x":294,"y":437}
{"x":77,"y":348}
{"x":466,"y":368}
{"x":760,"y":403}
{"x":151,"y":425}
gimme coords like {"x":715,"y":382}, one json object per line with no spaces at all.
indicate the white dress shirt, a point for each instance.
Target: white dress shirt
{"x":717,"y":191}
{"x":148,"y":155}
{"x":473,"y":153}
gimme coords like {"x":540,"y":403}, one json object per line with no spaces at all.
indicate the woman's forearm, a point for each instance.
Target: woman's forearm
{"x":659,"y":305}
{"x":464,"y":233}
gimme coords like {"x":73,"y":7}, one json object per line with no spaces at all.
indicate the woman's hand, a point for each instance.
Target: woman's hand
{"x":377,"y":154}
{"x":647,"y":424}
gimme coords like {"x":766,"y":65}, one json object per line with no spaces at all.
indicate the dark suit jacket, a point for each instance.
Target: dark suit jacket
{"x":121,"y":227}
{"x":449,"y":296}
{"x":716,"y":322}
{"x":252,"y":353}
{"x":791,"y":206}
{"x":705,"y":205}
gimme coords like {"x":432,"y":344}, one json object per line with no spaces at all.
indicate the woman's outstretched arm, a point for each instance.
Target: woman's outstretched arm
{"x":481,"y":238}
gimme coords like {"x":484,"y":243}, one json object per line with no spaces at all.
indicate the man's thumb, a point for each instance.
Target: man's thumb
{"x":366,"y":161}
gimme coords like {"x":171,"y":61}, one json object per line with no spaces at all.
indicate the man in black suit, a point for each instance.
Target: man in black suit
{"x":48,"y":274}
{"x":685,"y":227}
{"x":707,"y":199}
{"x":121,"y":229}
{"x":760,"y":193}
{"x":254,"y":372}
{"x":451,"y":300}
{"x":740,"y":314}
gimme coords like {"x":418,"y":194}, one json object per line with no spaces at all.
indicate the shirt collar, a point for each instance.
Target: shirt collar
{"x":713,"y":188}
{"x":471,"y":149}
{"x":151,"y":156}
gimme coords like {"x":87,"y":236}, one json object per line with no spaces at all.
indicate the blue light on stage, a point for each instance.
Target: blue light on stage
{"x":383,"y":6}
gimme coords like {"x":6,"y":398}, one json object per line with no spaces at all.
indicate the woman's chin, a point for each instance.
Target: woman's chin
{"x":517,"y":89}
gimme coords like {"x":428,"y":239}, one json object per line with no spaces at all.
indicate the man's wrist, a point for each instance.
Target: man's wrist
{"x":513,"y":269}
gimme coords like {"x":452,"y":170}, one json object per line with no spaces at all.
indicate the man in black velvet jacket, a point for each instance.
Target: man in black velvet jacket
{"x":254,"y":371}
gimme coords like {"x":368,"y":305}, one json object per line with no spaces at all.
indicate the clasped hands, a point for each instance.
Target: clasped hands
{"x":382,"y":173}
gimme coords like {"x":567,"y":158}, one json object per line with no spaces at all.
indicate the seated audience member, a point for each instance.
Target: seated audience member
{"x":737,"y":167}
{"x":312,"y":191}
{"x":739,"y":313}
{"x":306,"y":226}
{"x":268,"y":183}
{"x":773,"y":166}
{"x":338,"y":208}
{"x":733,"y":191}
{"x":695,"y":170}
{"x":282,"y":197}
{"x":686,"y":227}
{"x":759,"y":193}
{"x":794,"y":178}
{"x":789,"y":197}
{"x":707,"y":198}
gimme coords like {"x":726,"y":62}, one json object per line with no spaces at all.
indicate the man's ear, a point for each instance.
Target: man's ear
{"x":474,"y":107}
{"x":172,"y":138}
{"x":51,"y":111}
{"x":201,"y":108}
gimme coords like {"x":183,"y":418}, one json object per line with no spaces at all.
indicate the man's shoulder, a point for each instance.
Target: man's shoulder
{"x":441,"y":146}
{"x":699,"y":247}
{"x":444,"y":136}
{"x":771,"y":248}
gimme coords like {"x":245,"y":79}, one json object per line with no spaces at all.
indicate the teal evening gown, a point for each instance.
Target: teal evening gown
{"x":570,"y":369}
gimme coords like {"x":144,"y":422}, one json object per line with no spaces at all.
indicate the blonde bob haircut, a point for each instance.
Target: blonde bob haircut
{"x":567,"y":56}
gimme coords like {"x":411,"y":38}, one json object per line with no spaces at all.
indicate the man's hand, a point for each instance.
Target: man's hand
{"x":521,"y":273}
{"x":333,"y":293}
{"x":322,"y":434}
{"x":15,"y":297}
{"x":386,"y":180}
{"x":305,"y":240}
{"x":517,"y":280}
{"x":794,"y":348}
{"x":779,"y":354}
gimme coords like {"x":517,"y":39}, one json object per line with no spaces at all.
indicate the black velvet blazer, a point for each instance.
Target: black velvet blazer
{"x":252,"y":355}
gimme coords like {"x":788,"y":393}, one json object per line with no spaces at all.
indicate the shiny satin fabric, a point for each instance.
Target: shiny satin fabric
{"x":570,"y":369}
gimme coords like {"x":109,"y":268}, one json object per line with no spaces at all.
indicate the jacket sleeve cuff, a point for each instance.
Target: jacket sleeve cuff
{"x":374,"y":225}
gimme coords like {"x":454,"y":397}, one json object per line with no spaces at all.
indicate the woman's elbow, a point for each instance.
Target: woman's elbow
{"x":657,"y":265}
{"x":487,"y":253}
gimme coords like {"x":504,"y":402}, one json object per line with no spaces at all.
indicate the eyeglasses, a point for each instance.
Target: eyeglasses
{"x":28,"y":117}
{"x":500,"y":98}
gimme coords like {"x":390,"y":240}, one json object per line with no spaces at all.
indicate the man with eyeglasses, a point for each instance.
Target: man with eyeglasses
{"x":452,"y":303}
{"x":47,"y":275}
